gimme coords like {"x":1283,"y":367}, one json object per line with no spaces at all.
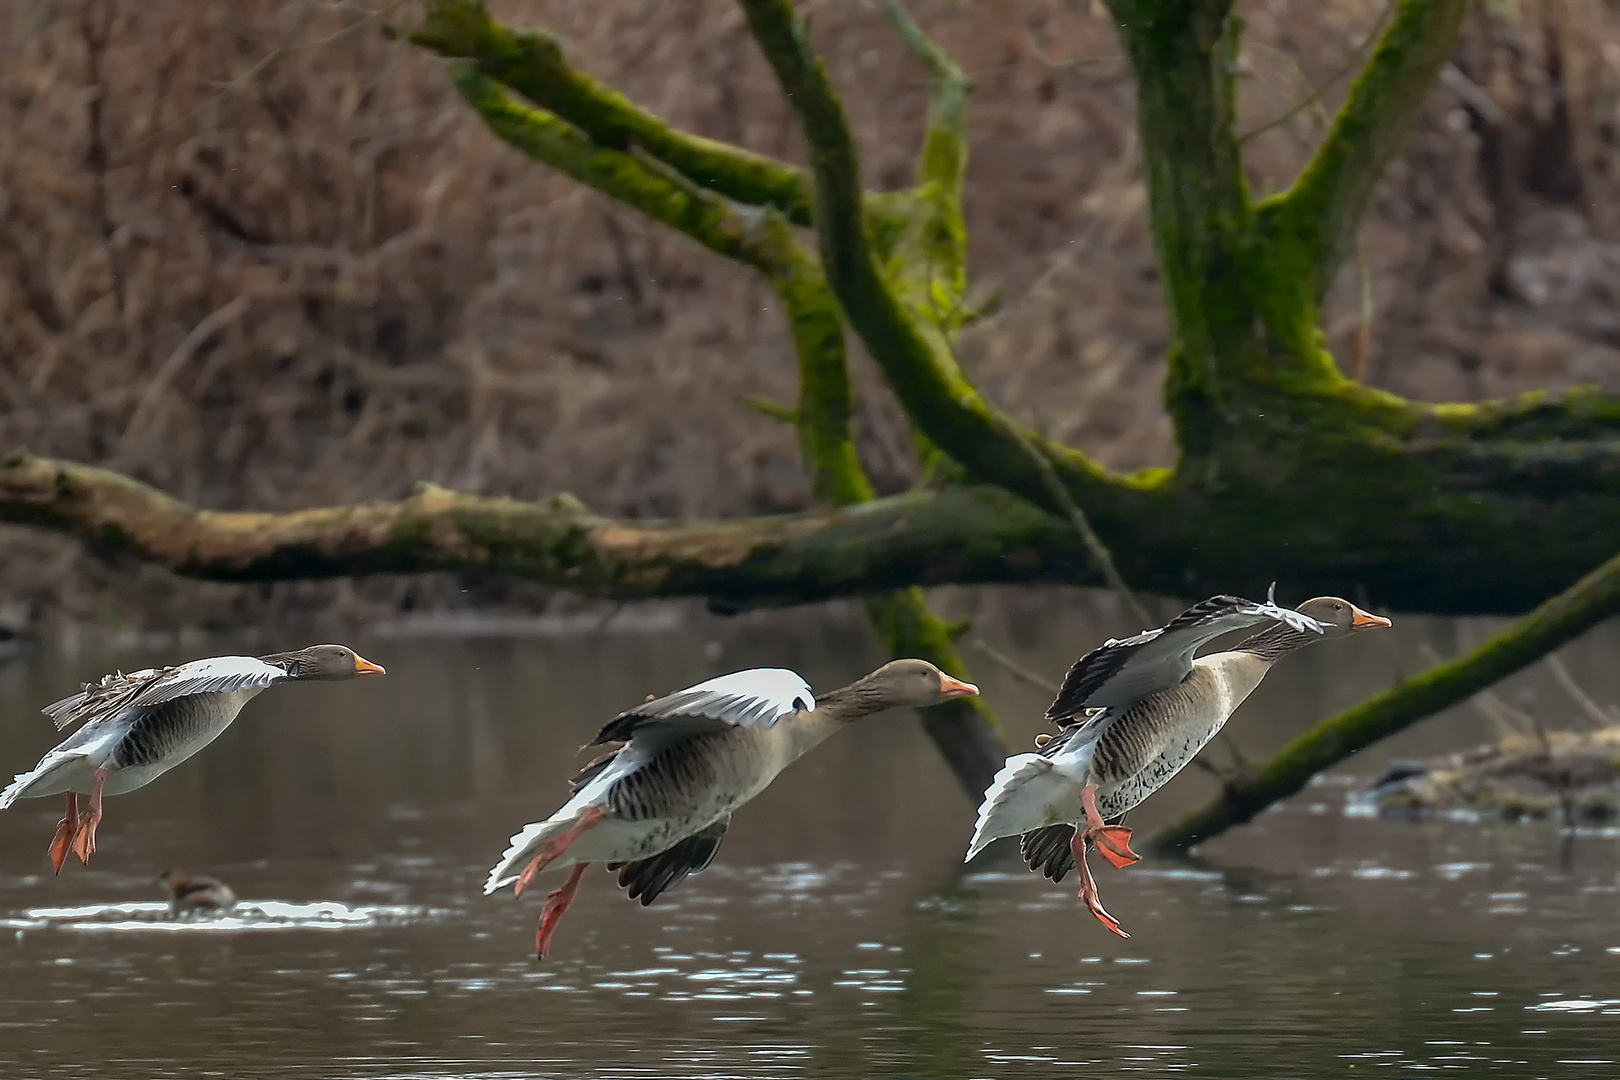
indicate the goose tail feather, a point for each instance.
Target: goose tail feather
{"x":40,"y":776}
{"x":1024,"y":796}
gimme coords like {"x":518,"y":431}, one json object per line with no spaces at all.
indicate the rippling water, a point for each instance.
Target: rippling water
{"x":836,"y":936}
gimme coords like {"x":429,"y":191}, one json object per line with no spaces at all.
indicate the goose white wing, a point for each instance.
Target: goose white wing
{"x":1121,"y":672}
{"x":153,"y":686}
{"x":758,"y":697}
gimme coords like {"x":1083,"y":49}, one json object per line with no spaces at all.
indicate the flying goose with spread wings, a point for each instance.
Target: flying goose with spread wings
{"x":656,"y":806}
{"x":1132,"y":713}
{"x":138,"y":726}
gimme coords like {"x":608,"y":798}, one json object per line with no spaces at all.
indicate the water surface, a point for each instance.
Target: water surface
{"x":836,"y":936}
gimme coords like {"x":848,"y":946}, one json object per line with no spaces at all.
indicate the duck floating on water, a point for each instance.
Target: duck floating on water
{"x":656,"y":807}
{"x":188,"y":893}
{"x":140,"y":725}
{"x":1131,"y":714}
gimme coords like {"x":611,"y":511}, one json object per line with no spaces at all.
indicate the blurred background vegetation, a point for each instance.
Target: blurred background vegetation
{"x":260,"y":256}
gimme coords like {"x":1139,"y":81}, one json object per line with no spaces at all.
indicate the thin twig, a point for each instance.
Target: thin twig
{"x":1315,"y":96}
{"x":314,"y":43}
{"x":1507,"y":719}
{"x":214,"y":322}
{"x":1094,"y":546}
{"x":1014,"y":668}
{"x":1363,"y":312}
{"x":1590,"y":707}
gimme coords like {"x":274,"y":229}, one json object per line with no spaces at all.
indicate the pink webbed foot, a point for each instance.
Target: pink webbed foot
{"x":1088,"y":887}
{"x":84,"y":843}
{"x":553,"y":849}
{"x":557,"y":904}
{"x":66,"y":831}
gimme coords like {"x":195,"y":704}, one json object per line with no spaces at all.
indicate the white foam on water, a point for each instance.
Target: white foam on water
{"x":246,"y":915}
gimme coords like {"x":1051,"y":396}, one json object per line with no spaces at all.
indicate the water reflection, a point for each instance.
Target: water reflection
{"x":837,"y":934}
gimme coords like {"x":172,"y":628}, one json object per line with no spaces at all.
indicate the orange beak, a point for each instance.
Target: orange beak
{"x":362,"y":666}
{"x":954,"y":688}
{"x":1363,"y":620}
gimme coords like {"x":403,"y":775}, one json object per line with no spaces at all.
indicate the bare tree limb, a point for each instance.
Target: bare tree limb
{"x":1566,"y":616}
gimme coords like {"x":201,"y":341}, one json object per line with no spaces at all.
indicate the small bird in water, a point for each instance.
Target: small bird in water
{"x":139,"y":726}
{"x":1132,"y":714}
{"x":189,"y":893}
{"x":657,"y":805}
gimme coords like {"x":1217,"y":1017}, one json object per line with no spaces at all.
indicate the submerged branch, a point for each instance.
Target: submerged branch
{"x":1569,"y":614}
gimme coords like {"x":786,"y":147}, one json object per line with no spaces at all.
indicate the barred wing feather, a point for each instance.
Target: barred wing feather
{"x":758,"y":697}
{"x":1123,"y":671}
{"x":153,"y":686}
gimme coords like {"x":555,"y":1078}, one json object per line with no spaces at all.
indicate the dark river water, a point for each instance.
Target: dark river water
{"x":837,"y":934}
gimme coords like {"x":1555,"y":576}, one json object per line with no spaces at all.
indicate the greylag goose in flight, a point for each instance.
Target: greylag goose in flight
{"x":1131,"y":714}
{"x":657,"y":805}
{"x":140,"y":725}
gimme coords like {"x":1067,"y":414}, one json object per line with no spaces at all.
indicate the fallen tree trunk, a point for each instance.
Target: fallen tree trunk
{"x":907,"y":540}
{"x":1236,"y":539}
{"x":1571,"y":613}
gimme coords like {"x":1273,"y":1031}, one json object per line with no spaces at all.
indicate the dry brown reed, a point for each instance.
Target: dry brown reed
{"x":257,"y":254}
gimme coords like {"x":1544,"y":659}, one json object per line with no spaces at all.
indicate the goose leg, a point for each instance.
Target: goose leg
{"x":84,"y":844}
{"x":1088,"y":887}
{"x":557,"y":904}
{"x":1114,"y":841}
{"x":66,"y":830}
{"x":553,"y":849}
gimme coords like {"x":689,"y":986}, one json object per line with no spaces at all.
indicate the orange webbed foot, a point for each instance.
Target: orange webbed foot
{"x":67,"y":831}
{"x":84,"y":842}
{"x":557,"y":904}
{"x":1114,"y":841}
{"x":1094,"y":905}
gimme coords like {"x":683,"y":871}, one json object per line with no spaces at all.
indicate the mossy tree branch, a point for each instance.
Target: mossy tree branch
{"x":532,"y":63}
{"x":913,"y":353}
{"x":965,"y":731}
{"x":757,"y":237}
{"x":1184,"y":58}
{"x":1571,"y":613}
{"x":904,"y":293}
{"x":919,"y":539}
{"x":1311,"y":228}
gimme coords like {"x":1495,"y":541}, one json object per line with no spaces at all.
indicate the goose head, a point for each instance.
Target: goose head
{"x":914,"y":683}
{"x":1340,"y":617}
{"x":324,"y":663}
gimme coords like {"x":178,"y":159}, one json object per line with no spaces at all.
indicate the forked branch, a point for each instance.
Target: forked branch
{"x":1319,"y":216}
{"x":937,"y":395}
